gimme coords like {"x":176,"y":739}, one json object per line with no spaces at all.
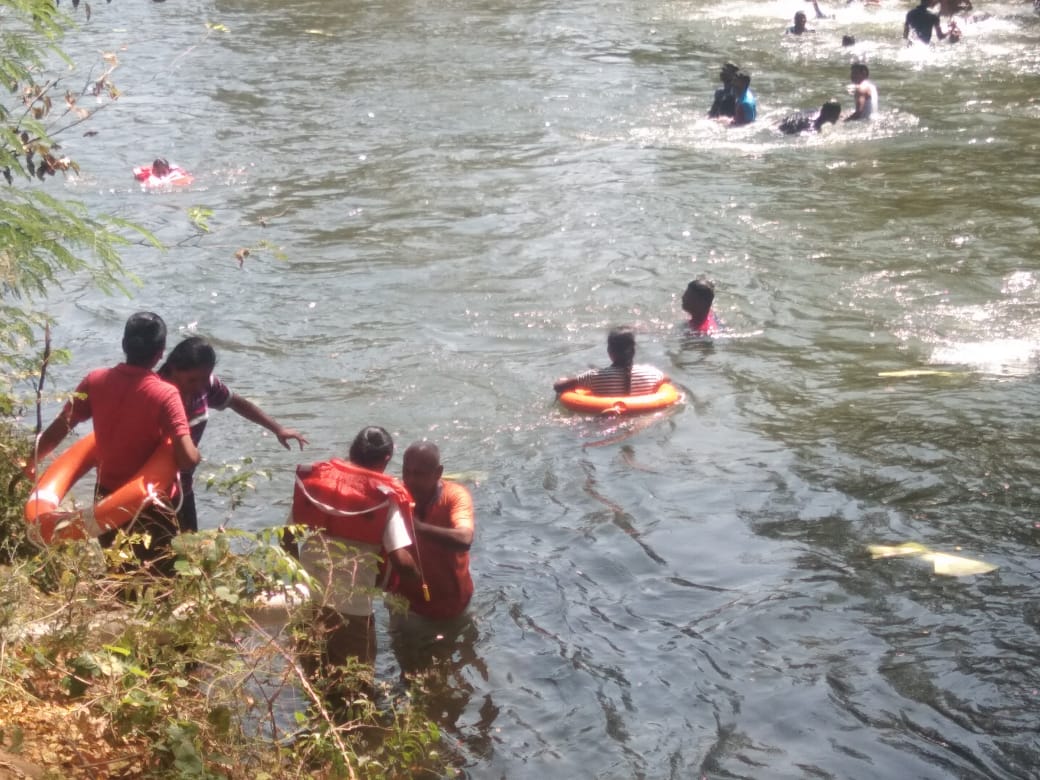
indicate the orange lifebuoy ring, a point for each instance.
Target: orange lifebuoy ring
{"x":148,"y":485}
{"x":177,"y":177}
{"x":581,"y":399}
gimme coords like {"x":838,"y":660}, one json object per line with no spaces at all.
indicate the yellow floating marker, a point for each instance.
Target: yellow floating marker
{"x":942,"y":563}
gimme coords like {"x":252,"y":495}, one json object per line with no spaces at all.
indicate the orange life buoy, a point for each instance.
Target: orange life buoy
{"x":581,"y":399}
{"x":148,"y":485}
{"x":177,"y":177}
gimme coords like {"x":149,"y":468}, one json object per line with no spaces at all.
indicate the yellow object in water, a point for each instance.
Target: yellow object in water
{"x":942,"y":563}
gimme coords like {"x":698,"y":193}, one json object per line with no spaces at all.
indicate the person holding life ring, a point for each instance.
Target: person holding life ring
{"x":623,"y":377}
{"x":134,"y":411}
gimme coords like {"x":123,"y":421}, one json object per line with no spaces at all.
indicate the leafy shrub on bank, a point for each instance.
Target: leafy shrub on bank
{"x":183,"y":677}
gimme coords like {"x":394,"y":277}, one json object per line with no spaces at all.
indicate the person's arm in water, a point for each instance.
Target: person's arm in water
{"x":255,"y":414}
{"x":816,"y":7}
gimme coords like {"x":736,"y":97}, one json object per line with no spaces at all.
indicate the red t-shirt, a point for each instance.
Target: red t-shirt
{"x":133,"y":412}
{"x":445,"y":568}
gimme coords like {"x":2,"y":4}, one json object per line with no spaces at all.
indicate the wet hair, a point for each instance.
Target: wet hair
{"x":621,"y":346}
{"x":848,"y":40}
{"x":861,"y":67}
{"x":194,"y":352}
{"x":160,"y":167}
{"x":372,"y":447}
{"x":830,"y":111}
{"x":800,"y":15}
{"x":703,"y":290}
{"x":144,"y":338}
{"x":742,"y":75}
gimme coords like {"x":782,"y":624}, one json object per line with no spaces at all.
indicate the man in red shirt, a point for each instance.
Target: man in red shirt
{"x":133,"y":411}
{"x":443,"y":521}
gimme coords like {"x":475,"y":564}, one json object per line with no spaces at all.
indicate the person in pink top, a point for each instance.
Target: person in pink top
{"x":696,"y":301}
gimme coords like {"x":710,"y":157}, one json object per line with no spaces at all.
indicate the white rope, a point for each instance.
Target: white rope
{"x":331,"y":510}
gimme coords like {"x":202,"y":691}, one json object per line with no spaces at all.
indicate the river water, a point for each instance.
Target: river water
{"x":464,"y":197}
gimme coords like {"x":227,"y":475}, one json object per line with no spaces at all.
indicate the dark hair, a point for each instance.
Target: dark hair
{"x":621,"y":346}
{"x":743,"y":76}
{"x":848,"y":40}
{"x":160,"y":167}
{"x":193,"y":352}
{"x":702,"y":289}
{"x":144,"y":338}
{"x":372,"y":447}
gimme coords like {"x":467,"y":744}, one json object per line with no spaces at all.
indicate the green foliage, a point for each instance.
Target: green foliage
{"x":44,"y":239}
{"x":191,"y":669}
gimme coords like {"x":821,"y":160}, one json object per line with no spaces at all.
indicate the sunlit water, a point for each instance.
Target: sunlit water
{"x":468,"y":195}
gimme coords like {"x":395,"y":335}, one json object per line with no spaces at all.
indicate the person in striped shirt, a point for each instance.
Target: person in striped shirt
{"x":623,"y":377}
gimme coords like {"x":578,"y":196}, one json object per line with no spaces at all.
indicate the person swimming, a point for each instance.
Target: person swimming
{"x":696,"y":301}
{"x":623,"y":377}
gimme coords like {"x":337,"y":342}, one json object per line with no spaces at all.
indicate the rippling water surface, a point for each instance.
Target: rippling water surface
{"x":468,"y":195}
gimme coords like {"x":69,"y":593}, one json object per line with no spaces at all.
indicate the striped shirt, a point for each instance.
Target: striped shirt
{"x":610,"y":381}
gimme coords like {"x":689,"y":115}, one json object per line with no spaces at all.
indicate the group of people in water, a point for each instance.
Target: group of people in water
{"x":366,"y":530}
{"x":734,"y":102}
{"x":421,"y":525}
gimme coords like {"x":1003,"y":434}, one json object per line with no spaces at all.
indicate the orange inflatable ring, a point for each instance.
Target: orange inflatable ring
{"x":581,"y":399}
{"x":177,"y":177}
{"x":116,"y":509}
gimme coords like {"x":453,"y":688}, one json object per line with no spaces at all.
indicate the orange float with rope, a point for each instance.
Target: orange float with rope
{"x":581,"y":399}
{"x":150,"y":485}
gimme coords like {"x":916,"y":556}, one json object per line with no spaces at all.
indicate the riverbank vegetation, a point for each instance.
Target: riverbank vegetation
{"x":104,"y":672}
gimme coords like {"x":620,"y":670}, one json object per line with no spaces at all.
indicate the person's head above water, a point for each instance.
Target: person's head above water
{"x":621,"y":346}
{"x":859,"y":72}
{"x":160,"y":167}
{"x":422,"y":470}
{"x":190,"y":365}
{"x":144,"y":339}
{"x":800,"y":20}
{"x":829,"y":112}
{"x":697,"y":299}
{"x":372,"y":448}
{"x":742,"y":81}
{"x":729,"y":70}
{"x":848,"y":40}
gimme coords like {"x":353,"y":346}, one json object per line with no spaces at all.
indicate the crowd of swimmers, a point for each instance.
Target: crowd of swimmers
{"x":735,"y":103}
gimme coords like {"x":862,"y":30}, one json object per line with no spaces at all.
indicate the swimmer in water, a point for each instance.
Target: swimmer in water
{"x":622,"y":377}
{"x":725,"y":100}
{"x":864,"y":92}
{"x":746,"y":109}
{"x":799,"y":27}
{"x":922,"y":22}
{"x":803,"y":122}
{"x":696,"y":301}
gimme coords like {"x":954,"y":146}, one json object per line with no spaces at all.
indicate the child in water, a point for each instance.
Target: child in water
{"x":189,"y":368}
{"x":696,"y":301}
{"x":622,"y":377}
